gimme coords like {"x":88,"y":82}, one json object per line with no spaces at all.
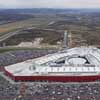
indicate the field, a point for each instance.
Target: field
{"x":39,"y":21}
{"x":83,"y":25}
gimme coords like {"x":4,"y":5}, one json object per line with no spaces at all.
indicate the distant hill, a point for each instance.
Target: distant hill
{"x":12,"y":15}
{"x":48,"y":10}
{"x":9,"y":16}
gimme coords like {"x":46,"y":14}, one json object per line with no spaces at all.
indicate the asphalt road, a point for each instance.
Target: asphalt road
{"x":8,"y":35}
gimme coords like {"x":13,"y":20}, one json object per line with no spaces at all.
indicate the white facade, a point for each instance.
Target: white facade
{"x":76,"y":61}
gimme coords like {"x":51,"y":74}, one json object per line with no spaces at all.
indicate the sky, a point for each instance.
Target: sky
{"x":49,"y":3}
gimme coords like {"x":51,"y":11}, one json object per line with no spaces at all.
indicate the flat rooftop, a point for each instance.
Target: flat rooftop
{"x":78,"y":61}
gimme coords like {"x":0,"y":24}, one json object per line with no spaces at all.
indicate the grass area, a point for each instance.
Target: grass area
{"x":7,"y":49}
{"x":7,"y":30}
{"x":97,"y":28}
{"x":33,"y":22}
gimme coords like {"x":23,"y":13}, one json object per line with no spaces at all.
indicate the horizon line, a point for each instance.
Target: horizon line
{"x":48,"y":8}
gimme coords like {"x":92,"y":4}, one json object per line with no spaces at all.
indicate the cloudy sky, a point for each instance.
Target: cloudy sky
{"x":49,"y":3}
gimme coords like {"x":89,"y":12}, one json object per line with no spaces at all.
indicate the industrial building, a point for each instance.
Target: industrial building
{"x":79,"y":64}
